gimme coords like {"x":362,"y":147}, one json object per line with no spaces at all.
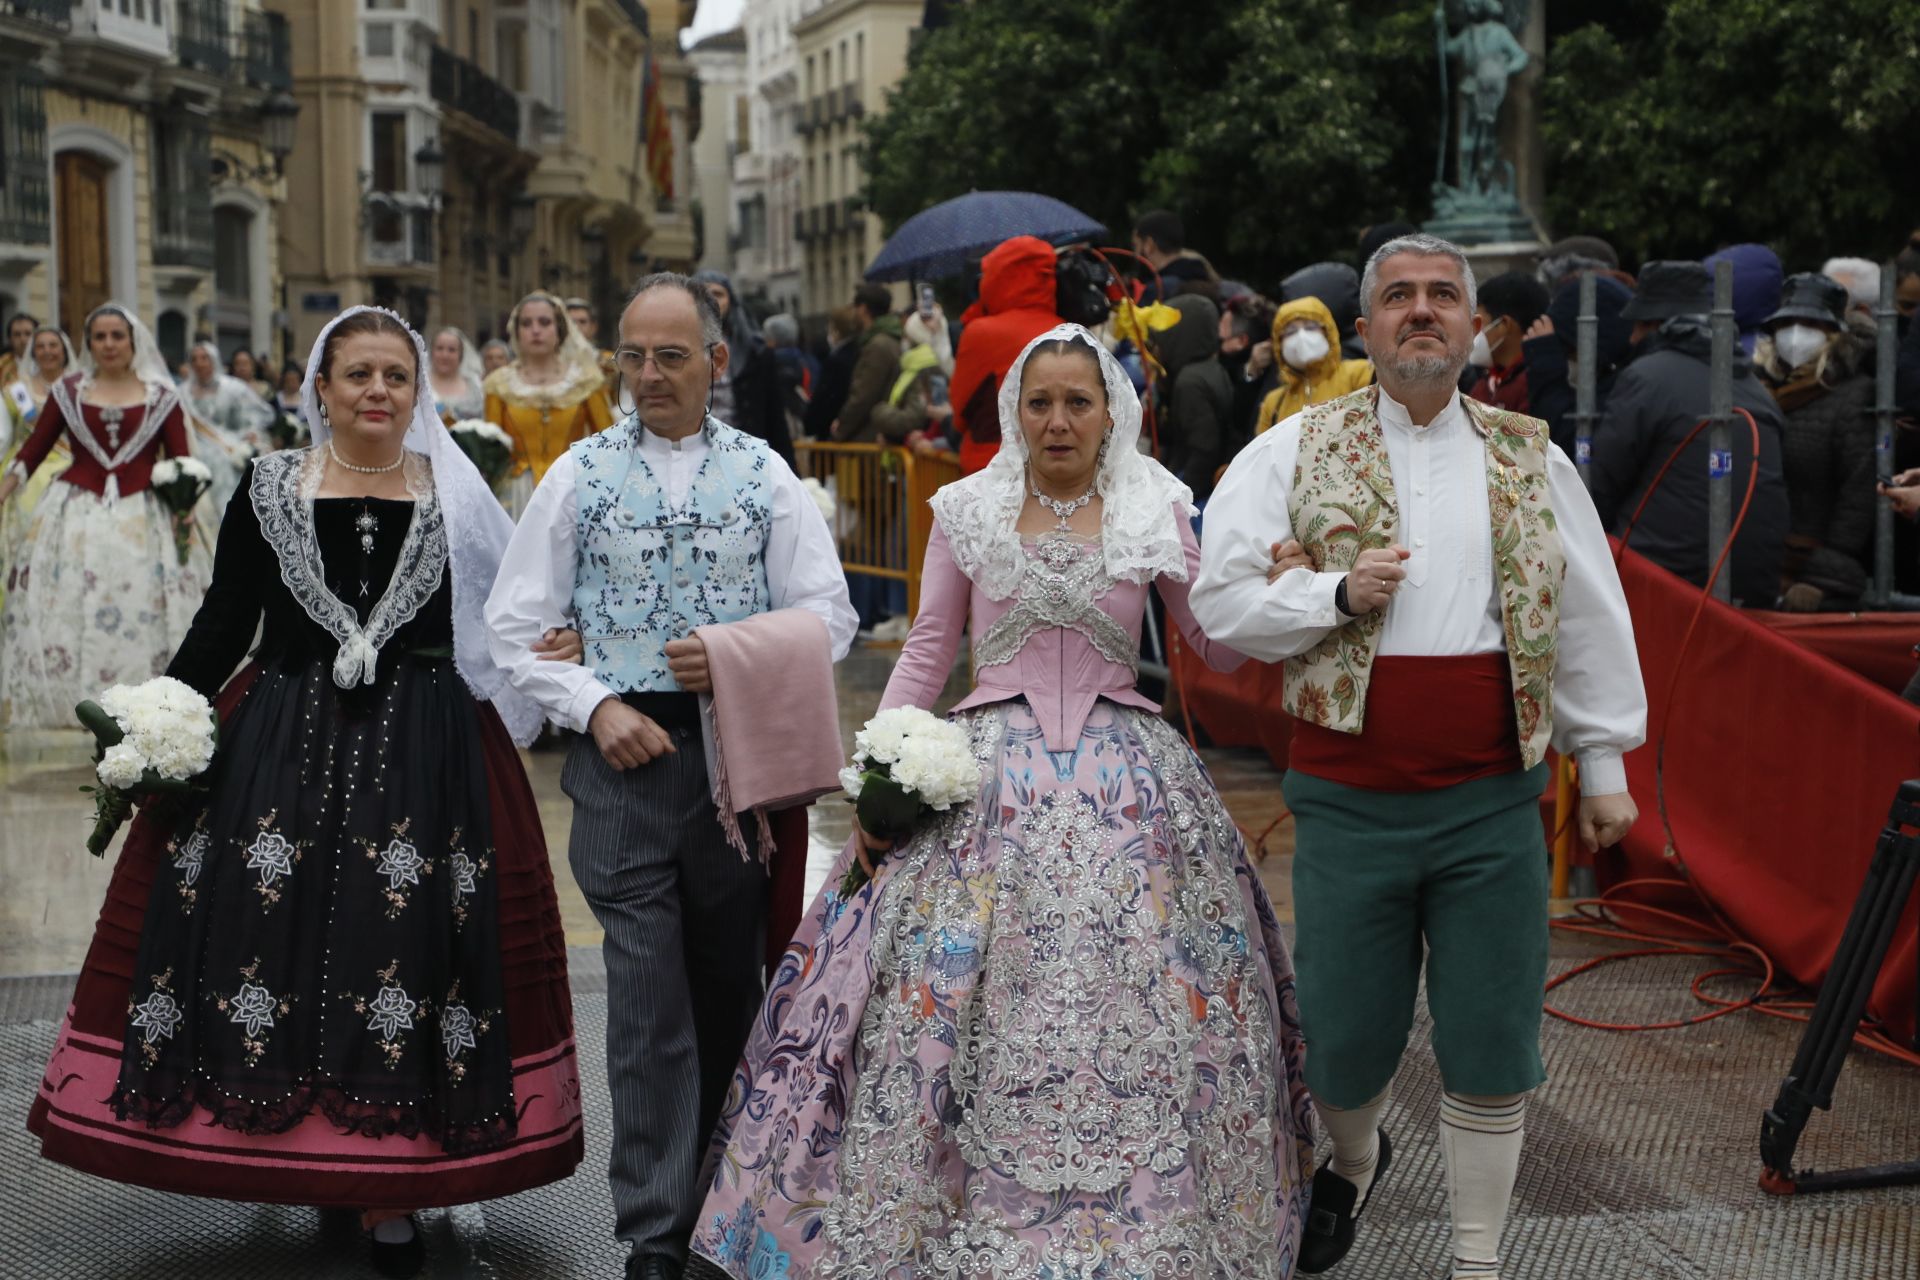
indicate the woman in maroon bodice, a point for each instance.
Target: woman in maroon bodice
{"x":99,"y":595}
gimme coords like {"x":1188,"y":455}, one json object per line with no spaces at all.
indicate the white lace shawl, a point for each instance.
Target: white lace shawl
{"x":1139,"y":524}
{"x":69,"y":391}
{"x":477,"y":529}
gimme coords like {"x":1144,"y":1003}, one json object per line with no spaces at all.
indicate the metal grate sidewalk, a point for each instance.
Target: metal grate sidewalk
{"x":1642,"y":1164}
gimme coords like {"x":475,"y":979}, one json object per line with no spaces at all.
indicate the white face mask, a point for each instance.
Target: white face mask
{"x":1798,"y":344}
{"x":1303,"y":347}
{"x":1481,"y":354}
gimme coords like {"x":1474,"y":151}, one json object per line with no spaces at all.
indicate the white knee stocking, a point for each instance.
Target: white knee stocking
{"x":1356,"y":1139}
{"x":1480,"y":1140}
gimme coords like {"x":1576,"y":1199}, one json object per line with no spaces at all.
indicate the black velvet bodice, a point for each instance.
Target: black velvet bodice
{"x":247,"y":584}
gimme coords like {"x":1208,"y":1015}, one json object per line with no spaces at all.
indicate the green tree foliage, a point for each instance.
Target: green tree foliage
{"x":1717,"y":121}
{"x":1325,"y":120}
{"x":1277,"y":128}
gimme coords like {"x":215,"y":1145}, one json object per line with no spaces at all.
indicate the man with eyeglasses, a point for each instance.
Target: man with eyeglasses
{"x":666,"y":522}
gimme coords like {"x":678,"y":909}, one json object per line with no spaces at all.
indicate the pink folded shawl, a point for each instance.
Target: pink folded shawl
{"x":773,"y":719}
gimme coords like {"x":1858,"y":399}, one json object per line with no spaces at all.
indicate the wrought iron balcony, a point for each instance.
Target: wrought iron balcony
{"x":460,"y":84}
{"x":52,"y":13}
{"x":267,"y":51}
{"x":398,"y":234}
{"x":201,"y":37}
{"x":24,"y":203}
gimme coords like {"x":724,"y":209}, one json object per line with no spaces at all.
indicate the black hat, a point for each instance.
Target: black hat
{"x":1669,"y":289}
{"x":1810,"y":296}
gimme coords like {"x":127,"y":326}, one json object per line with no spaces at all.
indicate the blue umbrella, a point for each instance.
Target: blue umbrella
{"x":940,"y":241}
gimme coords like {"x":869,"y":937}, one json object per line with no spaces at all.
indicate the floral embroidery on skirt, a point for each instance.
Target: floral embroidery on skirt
{"x":1057,"y":1037}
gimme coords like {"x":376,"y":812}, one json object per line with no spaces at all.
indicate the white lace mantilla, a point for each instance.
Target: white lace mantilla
{"x":283,"y":489}
{"x":1141,"y":501}
{"x":580,"y":381}
{"x":476,"y":532}
{"x":67,"y":393}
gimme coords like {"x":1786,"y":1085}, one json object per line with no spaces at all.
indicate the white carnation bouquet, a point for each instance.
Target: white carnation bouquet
{"x":907,"y":763}
{"x":151,"y":739}
{"x":178,"y":483}
{"x":490,"y":447}
{"x":822,"y":498}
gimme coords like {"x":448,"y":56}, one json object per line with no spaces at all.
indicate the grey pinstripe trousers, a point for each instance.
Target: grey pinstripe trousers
{"x":685,"y":918}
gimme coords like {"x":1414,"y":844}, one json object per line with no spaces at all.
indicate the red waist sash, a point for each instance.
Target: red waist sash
{"x":1430,"y":723}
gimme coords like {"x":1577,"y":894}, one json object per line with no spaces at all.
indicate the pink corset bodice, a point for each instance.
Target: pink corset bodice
{"x":1068,"y":637}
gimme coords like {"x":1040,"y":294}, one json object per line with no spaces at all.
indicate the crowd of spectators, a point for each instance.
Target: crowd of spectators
{"x":1229,"y":360}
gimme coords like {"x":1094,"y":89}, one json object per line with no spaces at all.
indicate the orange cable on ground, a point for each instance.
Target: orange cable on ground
{"x":1721,"y":941}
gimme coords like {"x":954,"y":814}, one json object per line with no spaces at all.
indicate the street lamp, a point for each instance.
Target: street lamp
{"x":278,"y":115}
{"x":429,"y":162}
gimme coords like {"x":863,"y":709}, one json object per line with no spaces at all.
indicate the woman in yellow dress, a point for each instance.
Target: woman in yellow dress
{"x":550,"y":396}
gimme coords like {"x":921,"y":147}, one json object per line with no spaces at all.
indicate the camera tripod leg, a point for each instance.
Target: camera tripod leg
{"x":1876,"y":915}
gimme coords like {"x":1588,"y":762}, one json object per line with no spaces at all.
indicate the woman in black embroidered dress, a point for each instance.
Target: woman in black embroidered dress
{"x":349,"y":976}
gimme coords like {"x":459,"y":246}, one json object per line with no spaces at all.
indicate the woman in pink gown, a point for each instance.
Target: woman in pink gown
{"x":1056,"y":1035}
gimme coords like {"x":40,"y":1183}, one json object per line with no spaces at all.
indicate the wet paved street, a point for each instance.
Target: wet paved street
{"x":1641,"y":1158}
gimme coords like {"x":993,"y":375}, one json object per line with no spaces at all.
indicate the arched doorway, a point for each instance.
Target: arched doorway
{"x":86,"y":254}
{"x":95,"y":255}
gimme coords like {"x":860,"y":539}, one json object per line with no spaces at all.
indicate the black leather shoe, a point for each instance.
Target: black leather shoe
{"x":1332,"y":1213}
{"x":398,"y":1261}
{"x":653,"y":1266}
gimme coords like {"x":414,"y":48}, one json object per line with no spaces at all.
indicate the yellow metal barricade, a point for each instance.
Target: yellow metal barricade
{"x":882,"y":521}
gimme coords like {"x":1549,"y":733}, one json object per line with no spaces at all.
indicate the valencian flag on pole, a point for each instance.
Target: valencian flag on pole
{"x":653,"y":124}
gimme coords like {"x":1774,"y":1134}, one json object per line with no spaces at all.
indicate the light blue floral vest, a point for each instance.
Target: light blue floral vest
{"x":647,"y":574}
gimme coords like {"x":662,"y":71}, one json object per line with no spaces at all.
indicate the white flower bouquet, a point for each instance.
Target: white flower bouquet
{"x":822,"y":498}
{"x":178,"y":483}
{"x":150,"y":739}
{"x":490,"y":448}
{"x":907,"y":763}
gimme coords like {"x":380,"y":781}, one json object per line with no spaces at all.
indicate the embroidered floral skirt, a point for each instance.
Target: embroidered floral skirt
{"x":1057,"y":1037}
{"x":96,"y":596}
{"x":348,"y":976}
{"x":16,"y":518}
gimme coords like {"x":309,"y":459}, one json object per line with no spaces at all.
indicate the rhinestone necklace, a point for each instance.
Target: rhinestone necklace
{"x":1064,"y":510}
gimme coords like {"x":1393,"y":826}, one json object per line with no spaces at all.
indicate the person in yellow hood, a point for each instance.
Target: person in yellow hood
{"x":1307,"y":348}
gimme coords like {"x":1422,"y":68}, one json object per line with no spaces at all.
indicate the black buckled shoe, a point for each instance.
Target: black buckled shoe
{"x":653,"y":1266}
{"x":1332,"y":1213}
{"x":398,"y":1260}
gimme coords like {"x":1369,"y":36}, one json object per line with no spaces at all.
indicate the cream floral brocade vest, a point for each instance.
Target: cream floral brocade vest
{"x":1343,"y":503}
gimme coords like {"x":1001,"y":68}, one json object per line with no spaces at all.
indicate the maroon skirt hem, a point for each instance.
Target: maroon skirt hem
{"x":314,"y":1163}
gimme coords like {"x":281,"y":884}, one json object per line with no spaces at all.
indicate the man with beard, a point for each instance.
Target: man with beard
{"x":1456,"y":615}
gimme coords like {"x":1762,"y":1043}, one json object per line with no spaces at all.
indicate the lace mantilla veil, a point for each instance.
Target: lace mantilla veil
{"x":477,"y":532}
{"x":1142,"y":502}
{"x":576,"y":355}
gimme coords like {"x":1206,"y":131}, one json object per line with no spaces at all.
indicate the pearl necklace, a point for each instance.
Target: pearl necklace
{"x":367,"y":471}
{"x":1064,"y":510}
